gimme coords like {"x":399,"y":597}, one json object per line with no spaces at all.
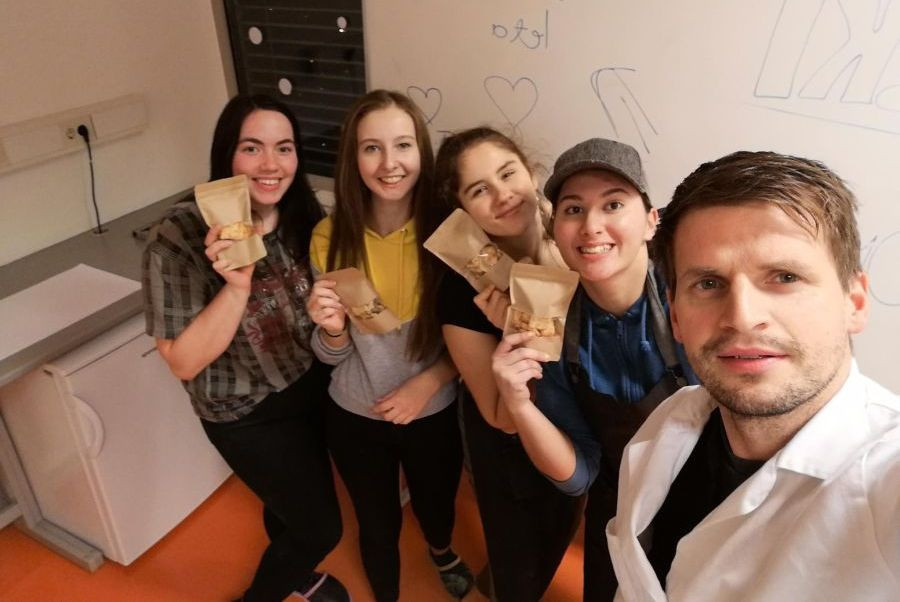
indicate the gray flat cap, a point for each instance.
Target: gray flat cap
{"x":597,"y":153}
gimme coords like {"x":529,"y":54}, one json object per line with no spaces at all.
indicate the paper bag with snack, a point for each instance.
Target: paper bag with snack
{"x":364,"y":308}
{"x":226,"y":203}
{"x":539,"y":300}
{"x":462,"y":244}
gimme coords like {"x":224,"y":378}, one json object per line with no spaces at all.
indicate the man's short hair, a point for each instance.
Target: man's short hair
{"x":806,"y":190}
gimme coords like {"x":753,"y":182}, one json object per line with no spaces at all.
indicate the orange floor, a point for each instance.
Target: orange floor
{"x":211,"y":556}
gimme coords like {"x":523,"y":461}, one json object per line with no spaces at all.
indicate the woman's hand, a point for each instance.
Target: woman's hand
{"x":406,"y":402}
{"x":513,"y":366}
{"x":239,"y":278}
{"x":494,"y":305}
{"x":325,"y":308}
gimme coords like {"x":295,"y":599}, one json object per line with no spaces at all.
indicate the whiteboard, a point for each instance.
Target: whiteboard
{"x":683,"y":82}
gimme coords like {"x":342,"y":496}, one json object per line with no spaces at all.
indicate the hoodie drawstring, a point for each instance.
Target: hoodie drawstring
{"x":645,"y":344}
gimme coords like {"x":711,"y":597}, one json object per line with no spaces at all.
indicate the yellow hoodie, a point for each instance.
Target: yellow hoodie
{"x":392,"y":266}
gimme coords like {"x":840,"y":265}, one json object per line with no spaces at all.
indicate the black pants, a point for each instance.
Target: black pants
{"x":368,"y":454}
{"x":279,"y":451}
{"x":528,"y":523}
{"x":600,"y":582}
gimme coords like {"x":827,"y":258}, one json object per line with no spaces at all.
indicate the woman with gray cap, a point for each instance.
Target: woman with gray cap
{"x":619,"y":357}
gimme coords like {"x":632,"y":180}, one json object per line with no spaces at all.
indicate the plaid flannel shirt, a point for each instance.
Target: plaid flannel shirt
{"x":271,"y":347}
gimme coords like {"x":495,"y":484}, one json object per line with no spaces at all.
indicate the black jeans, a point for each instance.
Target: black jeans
{"x":368,"y":454}
{"x":600,"y":582}
{"x":279,"y":451}
{"x":528,"y":523}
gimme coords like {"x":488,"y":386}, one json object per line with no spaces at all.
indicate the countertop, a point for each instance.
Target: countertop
{"x":116,"y":251}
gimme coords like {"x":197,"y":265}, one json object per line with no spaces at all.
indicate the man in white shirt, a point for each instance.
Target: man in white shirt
{"x":779,"y":479}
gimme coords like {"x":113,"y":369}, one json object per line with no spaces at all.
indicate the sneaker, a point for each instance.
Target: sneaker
{"x":455,"y":575}
{"x":322,"y":587}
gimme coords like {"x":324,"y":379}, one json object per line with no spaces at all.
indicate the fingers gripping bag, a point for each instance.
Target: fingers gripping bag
{"x":462,"y":244}
{"x":364,"y":307}
{"x":226,"y":203}
{"x":539,"y":300}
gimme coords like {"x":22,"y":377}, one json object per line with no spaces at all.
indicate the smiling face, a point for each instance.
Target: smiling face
{"x":497,"y":190}
{"x":761,"y":311}
{"x":601,"y":227}
{"x":387,"y":154}
{"x":266,"y":154}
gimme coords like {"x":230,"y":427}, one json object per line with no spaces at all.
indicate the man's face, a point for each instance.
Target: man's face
{"x":760,"y":309}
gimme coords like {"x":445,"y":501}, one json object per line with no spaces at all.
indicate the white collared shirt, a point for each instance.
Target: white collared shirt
{"x":820,"y":520}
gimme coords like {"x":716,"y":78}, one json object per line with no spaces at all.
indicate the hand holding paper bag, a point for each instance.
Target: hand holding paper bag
{"x":462,"y":244}
{"x":325,"y":308}
{"x":540,"y":298}
{"x":226,"y":203}
{"x":494,"y":304}
{"x":360,"y":301}
{"x":534,"y":329}
{"x":215,"y":252}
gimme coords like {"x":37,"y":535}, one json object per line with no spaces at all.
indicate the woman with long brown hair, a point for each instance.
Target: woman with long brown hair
{"x":393,"y":393}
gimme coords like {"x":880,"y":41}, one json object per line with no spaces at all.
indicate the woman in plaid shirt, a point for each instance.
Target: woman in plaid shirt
{"x":239,"y":341}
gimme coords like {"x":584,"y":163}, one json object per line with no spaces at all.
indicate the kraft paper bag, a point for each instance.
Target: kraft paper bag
{"x":539,"y":301}
{"x":364,"y":307}
{"x":462,"y":244}
{"x":226,"y":203}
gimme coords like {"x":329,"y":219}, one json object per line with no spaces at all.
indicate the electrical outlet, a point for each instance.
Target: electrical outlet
{"x":49,"y":136}
{"x":69,"y":127}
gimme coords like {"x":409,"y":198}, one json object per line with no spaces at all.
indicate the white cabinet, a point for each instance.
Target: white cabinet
{"x":110,"y":444}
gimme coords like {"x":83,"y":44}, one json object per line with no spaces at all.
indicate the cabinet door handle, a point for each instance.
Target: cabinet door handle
{"x":91,"y":427}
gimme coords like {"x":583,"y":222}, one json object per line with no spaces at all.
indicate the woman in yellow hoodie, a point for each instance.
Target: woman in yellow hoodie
{"x":393,"y":393}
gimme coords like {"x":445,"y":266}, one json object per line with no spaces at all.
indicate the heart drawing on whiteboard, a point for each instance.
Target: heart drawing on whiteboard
{"x":515,"y":101}
{"x":427,"y":99}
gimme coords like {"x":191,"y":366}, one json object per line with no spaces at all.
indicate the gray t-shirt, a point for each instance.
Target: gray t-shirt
{"x":373,"y":365}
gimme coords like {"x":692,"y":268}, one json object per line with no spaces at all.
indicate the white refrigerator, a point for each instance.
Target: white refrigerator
{"x":110,"y":444}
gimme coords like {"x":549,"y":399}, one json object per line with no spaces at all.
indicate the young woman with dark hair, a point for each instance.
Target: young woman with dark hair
{"x":393,"y":393}
{"x":619,"y":358}
{"x":239,"y":341}
{"x":527,"y":522}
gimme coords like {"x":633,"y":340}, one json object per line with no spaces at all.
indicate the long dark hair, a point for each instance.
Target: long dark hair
{"x":298,"y":210}
{"x":353,"y":200}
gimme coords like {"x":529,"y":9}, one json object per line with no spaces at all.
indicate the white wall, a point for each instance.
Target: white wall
{"x":683,"y":82}
{"x":60,"y":54}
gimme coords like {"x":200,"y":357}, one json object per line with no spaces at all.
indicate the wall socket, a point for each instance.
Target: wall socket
{"x":70,"y":128}
{"x":49,"y":136}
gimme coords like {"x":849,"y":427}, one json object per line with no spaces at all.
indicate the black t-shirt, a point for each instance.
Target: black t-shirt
{"x":711,"y":473}
{"x":455,"y":306}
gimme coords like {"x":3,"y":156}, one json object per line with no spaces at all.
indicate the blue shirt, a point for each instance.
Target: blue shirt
{"x":621,"y":359}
